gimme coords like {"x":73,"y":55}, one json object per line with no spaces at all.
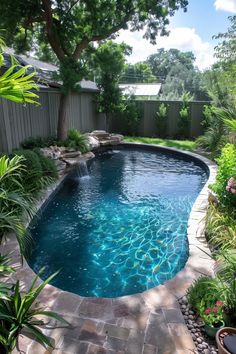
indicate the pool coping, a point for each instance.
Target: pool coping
{"x":160,"y":298}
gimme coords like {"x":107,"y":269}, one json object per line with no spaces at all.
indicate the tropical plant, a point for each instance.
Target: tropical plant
{"x":14,"y":202}
{"x":17,"y":313}
{"x":5,"y":270}
{"x":77,"y":140}
{"x":15,"y":84}
{"x":161,"y":120}
{"x":220,"y":227}
{"x":212,"y":140}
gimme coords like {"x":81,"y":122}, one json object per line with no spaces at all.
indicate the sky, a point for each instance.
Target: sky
{"x":192,"y":30}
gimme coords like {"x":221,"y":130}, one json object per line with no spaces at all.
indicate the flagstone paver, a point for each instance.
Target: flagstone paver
{"x":147,"y":323}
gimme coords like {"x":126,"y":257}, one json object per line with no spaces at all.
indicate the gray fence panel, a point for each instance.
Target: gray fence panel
{"x":196,"y":128}
{"x":18,"y":122}
{"x":150,"y":109}
{"x":4,"y":141}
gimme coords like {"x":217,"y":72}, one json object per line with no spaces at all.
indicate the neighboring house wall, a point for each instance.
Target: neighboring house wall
{"x":18,"y":122}
{"x":148,"y":126}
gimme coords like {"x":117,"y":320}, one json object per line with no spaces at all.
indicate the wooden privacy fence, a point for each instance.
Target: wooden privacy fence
{"x":18,"y":122}
{"x":148,"y":124}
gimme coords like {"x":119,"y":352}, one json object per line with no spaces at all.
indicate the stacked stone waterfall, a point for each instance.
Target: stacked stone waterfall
{"x":67,"y":158}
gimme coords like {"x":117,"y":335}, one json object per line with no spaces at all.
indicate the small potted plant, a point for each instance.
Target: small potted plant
{"x":213,"y":318}
{"x":226,"y":340}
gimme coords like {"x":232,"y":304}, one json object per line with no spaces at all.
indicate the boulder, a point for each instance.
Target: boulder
{"x":69,"y":155}
{"x":93,"y":142}
{"x":73,"y":161}
{"x":100,"y":134}
{"x":51,"y":152}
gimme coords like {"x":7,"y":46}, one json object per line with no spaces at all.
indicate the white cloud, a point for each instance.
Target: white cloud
{"x":226,"y":5}
{"x":182,"y":38}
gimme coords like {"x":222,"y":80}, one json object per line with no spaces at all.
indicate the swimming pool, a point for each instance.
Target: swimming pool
{"x":123,"y":228}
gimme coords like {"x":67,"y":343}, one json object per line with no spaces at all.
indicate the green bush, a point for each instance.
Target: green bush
{"x":220,"y":227}
{"x":77,"y":140}
{"x":161,"y":120}
{"x":208,"y":113}
{"x":33,"y":172}
{"x":48,"y":166}
{"x":132,"y":115}
{"x":184,"y":121}
{"x":200,"y":293}
{"x":38,"y":142}
{"x":36,"y":174}
{"x":226,"y":170}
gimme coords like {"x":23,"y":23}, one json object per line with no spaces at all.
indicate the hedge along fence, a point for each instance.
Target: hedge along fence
{"x":148,"y":124}
{"x":18,"y":122}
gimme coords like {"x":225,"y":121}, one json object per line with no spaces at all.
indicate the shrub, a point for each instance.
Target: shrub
{"x":48,"y":166}
{"x":77,"y":140}
{"x":212,"y":140}
{"x":201,"y":294}
{"x":226,"y":170}
{"x":38,"y":142}
{"x":33,"y":172}
{"x":208,"y":113}
{"x":161,"y":119}
{"x":39,"y":171}
{"x":132,"y":115}
{"x":184,"y":114}
{"x":184,"y":121}
{"x":220,"y":227}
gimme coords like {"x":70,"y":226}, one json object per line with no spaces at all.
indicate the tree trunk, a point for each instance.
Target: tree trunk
{"x":62,"y":124}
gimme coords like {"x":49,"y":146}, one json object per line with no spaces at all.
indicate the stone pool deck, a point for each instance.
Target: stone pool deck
{"x":146,"y":323}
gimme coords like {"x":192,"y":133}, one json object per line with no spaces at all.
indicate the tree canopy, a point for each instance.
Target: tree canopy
{"x":225,"y":51}
{"x":163,"y":61}
{"x":69,"y":26}
{"x":139,"y":72}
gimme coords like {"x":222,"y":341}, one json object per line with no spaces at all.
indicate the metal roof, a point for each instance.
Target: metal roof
{"x":141,"y":89}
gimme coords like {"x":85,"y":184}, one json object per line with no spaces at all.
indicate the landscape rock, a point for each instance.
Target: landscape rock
{"x":93,"y":142}
{"x":100,"y":138}
{"x":69,"y":155}
{"x":203,"y":343}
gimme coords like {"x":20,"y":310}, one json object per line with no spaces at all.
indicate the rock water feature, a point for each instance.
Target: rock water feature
{"x":67,"y":159}
{"x":82,"y":169}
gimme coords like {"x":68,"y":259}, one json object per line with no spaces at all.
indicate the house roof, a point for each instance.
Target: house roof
{"x":141,"y":89}
{"x":46,"y":72}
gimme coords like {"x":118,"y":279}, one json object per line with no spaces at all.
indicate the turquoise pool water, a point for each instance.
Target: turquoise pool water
{"x":122,"y":229}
